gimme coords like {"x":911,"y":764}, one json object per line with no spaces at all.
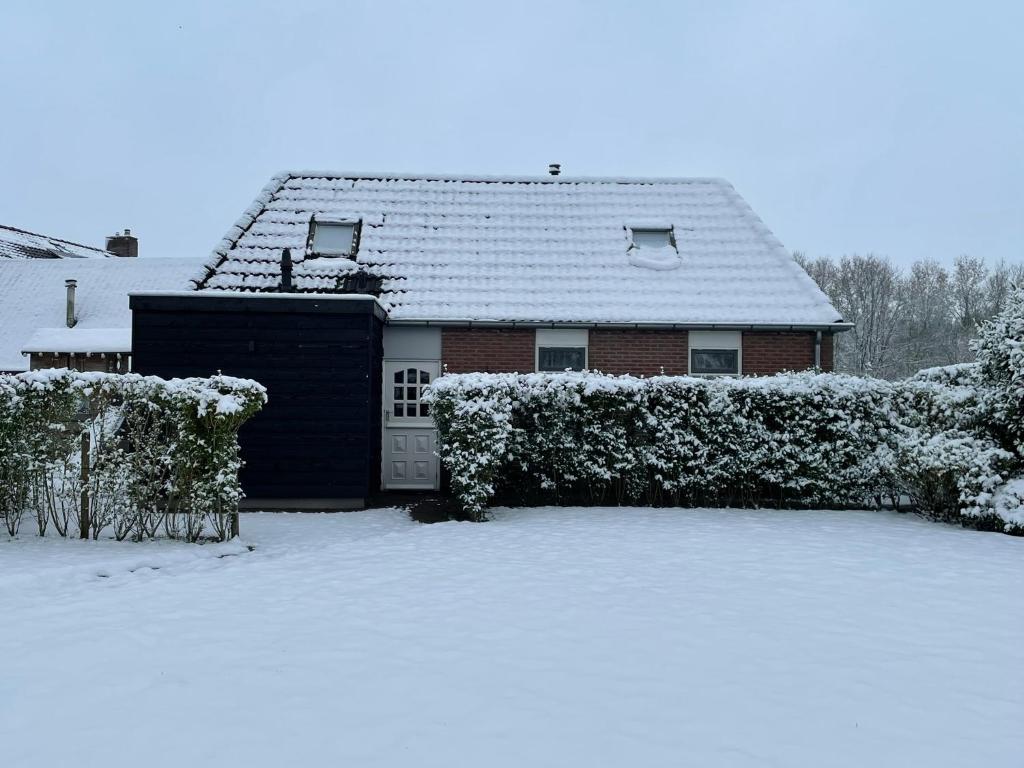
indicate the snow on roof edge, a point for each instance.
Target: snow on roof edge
{"x":83,"y":340}
{"x":838,"y":326}
{"x":237,"y":229}
{"x":799,"y":272}
{"x":100,"y":251}
{"x":498,"y":178}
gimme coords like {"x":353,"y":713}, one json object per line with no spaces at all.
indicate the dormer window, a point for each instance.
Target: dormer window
{"x":652,"y":245}
{"x":334,"y":238}
{"x":653,"y":238}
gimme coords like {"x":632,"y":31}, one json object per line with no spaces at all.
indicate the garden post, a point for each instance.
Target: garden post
{"x":83,"y":517}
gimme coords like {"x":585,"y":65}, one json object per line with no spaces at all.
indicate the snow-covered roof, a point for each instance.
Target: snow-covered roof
{"x":19,"y":244}
{"x":545,"y":249}
{"x":79,"y":340}
{"x":33,"y":297}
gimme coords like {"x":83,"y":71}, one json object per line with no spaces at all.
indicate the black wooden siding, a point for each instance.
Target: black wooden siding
{"x":319,"y":435}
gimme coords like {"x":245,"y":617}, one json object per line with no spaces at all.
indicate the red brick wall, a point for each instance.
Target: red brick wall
{"x":768,"y":352}
{"x":642,"y":353}
{"x":488,"y":350}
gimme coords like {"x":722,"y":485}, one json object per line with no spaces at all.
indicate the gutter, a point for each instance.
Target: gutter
{"x":839,"y":327}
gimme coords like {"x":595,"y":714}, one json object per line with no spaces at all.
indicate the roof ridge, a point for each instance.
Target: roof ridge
{"x":58,"y":239}
{"x":498,"y":178}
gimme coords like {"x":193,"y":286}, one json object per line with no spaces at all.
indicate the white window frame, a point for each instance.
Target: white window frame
{"x":699,"y":340}
{"x":561,"y":337}
{"x":352,"y":247}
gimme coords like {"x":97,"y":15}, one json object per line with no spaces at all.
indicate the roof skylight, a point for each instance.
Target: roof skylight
{"x":653,"y":238}
{"x":334,"y":238}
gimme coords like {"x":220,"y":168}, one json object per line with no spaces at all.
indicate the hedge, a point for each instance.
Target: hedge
{"x":86,"y":451}
{"x":791,"y":440}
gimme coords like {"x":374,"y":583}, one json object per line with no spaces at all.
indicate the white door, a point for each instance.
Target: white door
{"x":409,"y":446}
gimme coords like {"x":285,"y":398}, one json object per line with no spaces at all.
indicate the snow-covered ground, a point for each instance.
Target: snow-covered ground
{"x":549,"y":637}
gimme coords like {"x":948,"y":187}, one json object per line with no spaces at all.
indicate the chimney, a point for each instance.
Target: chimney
{"x":126,"y":245}
{"x":71,"y":285}
{"x":286,"y":271}
{"x":555,"y":168}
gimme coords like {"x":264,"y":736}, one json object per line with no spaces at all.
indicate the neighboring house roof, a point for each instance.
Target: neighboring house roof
{"x":19,"y":244}
{"x":33,"y":302}
{"x":546,"y":249}
{"x":79,"y":340}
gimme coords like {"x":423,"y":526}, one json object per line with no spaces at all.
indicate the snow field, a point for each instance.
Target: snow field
{"x":548,"y":637}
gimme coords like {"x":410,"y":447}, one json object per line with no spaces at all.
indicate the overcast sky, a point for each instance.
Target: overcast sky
{"x":890,"y":127}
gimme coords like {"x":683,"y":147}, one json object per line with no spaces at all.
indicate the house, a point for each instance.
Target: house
{"x":347,"y":294}
{"x":73,"y":312}
{"x":19,"y":244}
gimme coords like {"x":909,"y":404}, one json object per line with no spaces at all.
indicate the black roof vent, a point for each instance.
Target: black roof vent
{"x":286,"y":271}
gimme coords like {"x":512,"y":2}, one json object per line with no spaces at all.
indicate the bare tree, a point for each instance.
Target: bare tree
{"x":928,"y":334}
{"x":868,"y":292}
{"x":1001,"y":282}
{"x":907,"y":321}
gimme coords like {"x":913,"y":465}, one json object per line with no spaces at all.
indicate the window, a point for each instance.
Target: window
{"x":653,"y":238}
{"x":715,"y":353}
{"x":558,"y":350}
{"x":715,"y":361}
{"x":334,"y":238}
{"x":406,"y":389}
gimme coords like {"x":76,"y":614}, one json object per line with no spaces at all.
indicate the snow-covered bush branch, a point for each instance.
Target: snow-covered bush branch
{"x":84,"y":451}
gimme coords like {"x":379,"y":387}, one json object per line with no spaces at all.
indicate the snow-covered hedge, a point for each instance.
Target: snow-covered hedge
{"x":87,"y":451}
{"x":803,"y":439}
{"x":1000,"y":352}
{"x":568,"y":437}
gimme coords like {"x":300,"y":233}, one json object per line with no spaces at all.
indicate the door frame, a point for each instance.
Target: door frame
{"x":401,"y":422}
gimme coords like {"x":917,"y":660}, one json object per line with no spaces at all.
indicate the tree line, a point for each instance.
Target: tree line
{"x":909,"y":319}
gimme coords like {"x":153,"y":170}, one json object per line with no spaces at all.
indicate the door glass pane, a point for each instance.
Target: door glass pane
{"x":560,"y":358}
{"x":406,"y":391}
{"x":714,"y":361}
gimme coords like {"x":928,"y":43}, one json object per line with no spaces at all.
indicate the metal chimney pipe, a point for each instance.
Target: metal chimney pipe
{"x":286,"y":271}
{"x":71,"y":285}
{"x":555,"y":168}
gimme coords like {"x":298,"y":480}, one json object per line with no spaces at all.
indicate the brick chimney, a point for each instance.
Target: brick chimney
{"x":126,"y":244}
